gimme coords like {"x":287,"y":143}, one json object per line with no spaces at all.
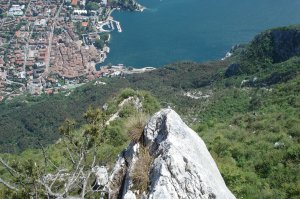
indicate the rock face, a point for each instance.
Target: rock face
{"x":232,"y":70}
{"x":277,"y":44}
{"x":286,"y":44}
{"x":181,"y":166}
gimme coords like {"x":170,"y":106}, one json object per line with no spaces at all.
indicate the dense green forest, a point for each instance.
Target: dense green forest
{"x":29,"y":118}
{"x":246,"y":108}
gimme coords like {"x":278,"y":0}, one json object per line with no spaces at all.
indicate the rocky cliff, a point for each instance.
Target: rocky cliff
{"x":170,"y":161}
{"x":278,"y":44}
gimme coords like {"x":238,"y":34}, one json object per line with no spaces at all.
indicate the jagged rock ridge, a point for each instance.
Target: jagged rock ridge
{"x":181,"y":166}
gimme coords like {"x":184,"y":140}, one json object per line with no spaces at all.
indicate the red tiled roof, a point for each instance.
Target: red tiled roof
{"x":74,"y":2}
{"x":84,"y":23}
{"x":17,"y":33}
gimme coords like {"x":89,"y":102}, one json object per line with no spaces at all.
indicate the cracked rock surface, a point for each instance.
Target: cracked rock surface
{"x":182,"y":167}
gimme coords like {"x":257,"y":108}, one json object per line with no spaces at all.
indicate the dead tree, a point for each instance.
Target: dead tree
{"x":71,"y":182}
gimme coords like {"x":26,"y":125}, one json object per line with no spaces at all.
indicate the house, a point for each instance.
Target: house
{"x":74,"y":2}
{"x":80,"y":12}
{"x":16,"y":10}
{"x":84,"y":24}
{"x":104,"y":2}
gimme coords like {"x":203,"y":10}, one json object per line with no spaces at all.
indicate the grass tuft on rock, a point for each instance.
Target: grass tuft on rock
{"x":140,"y":175}
{"x":135,"y":126}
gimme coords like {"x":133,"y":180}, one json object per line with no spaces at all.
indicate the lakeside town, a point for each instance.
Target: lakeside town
{"x":52,"y":45}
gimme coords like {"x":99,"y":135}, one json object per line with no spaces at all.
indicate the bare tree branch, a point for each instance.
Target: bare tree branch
{"x":8,"y":185}
{"x":85,"y":184}
{"x":49,"y":191}
{"x":56,"y":177}
{"x":75,"y":174}
{"x":44,"y":153}
{"x":46,"y":157}
{"x":10,"y":170}
{"x":80,"y":156}
{"x":87,"y":177}
{"x":70,"y":154}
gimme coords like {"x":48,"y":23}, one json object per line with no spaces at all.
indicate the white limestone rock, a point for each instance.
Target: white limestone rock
{"x":182,"y":167}
{"x":101,"y":174}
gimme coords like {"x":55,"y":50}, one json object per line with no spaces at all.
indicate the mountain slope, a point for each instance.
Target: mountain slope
{"x":246,"y":109}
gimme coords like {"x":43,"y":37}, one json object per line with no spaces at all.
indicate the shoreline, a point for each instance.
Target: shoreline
{"x":109,"y":22}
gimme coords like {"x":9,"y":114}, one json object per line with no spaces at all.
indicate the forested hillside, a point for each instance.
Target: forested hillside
{"x":29,"y":118}
{"x":246,"y":108}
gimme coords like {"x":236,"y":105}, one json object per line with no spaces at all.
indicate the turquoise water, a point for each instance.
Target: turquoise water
{"x":197,"y":30}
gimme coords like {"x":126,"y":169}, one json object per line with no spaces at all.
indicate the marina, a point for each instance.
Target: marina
{"x":110,"y":25}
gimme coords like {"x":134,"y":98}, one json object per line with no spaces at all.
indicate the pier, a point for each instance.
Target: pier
{"x":119,"y":28}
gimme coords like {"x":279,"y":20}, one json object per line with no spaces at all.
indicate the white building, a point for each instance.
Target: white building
{"x":41,"y":22}
{"x":17,"y":7}
{"x":16,"y":10}
{"x":80,"y":12}
{"x":104,"y":2}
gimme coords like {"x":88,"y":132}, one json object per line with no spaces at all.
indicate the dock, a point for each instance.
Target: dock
{"x":118,"y":25}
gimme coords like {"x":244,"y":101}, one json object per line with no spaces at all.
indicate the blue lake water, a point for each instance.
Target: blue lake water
{"x":197,"y":30}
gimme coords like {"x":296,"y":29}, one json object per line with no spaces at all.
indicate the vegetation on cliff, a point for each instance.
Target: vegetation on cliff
{"x":71,"y":160}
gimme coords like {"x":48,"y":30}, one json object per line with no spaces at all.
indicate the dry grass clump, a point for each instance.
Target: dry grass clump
{"x":140,"y":174}
{"x":135,"y":126}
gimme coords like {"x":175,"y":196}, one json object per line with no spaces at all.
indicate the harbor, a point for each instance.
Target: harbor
{"x":110,"y":23}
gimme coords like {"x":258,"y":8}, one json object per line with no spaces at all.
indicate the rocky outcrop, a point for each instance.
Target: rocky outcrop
{"x":276,"y":45}
{"x":180,"y":164}
{"x":286,"y":44}
{"x":101,"y":176}
{"x":232,"y":70}
{"x":268,"y":48}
